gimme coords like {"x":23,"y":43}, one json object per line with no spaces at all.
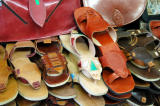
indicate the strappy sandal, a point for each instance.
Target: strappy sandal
{"x":8,"y":85}
{"x":55,"y":72}
{"x":28,"y":74}
{"x":142,"y":52}
{"x":90,"y":75}
{"x":115,"y":73}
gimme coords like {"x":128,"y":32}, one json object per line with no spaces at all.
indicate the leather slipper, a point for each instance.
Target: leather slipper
{"x":118,"y":13}
{"x":55,"y":71}
{"x":10,"y":93}
{"x":141,"y":97}
{"x":83,"y":99}
{"x":5,"y":70}
{"x":63,"y":92}
{"x":115,"y":73}
{"x":95,"y":88}
{"x":27,"y":72}
{"x":23,"y":102}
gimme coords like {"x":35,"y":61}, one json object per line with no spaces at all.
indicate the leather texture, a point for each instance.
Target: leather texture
{"x":154,"y":26}
{"x":118,"y":12}
{"x":24,"y":19}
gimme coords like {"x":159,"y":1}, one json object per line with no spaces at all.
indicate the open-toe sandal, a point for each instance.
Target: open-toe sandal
{"x":115,"y":73}
{"x":27,"y":73}
{"x":83,"y":49}
{"x":55,"y":71}
{"x":142,"y":53}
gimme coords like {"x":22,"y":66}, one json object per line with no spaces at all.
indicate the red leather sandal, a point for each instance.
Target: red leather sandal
{"x":115,"y":73}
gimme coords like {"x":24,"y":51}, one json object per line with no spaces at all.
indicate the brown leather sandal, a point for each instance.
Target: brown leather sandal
{"x":115,"y":73}
{"x":55,"y":71}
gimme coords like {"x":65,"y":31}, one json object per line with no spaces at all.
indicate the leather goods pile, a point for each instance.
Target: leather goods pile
{"x":79,"y":52}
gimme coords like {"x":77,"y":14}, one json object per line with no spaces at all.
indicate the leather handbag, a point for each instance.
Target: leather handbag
{"x":35,"y":19}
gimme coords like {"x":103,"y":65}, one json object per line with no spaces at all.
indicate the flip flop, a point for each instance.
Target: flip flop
{"x":96,"y":88}
{"x":115,"y":73}
{"x":142,"y":54}
{"x":63,"y":92}
{"x":83,"y":99}
{"x":118,"y":13}
{"x":10,"y":93}
{"x":5,"y":70}
{"x":29,"y":81}
{"x":23,"y":102}
{"x":141,"y":98}
{"x":55,"y":72}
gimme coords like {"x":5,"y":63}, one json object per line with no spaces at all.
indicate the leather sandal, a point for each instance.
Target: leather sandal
{"x":111,"y":102}
{"x":27,"y":73}
{"x":83,"y":99}
{"x":141,"y":51}
{"x":55,"y":71}
{"x":8,"y":85}
{"x":83,"y":71}
{"x":63,"y":92}
{"x":140,"y":84}
{"x":115,"y":73}
{"x":118,"y":13}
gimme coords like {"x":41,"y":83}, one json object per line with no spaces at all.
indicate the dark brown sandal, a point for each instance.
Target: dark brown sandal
{"x":55,"y":71}
{"x":142,"y":52}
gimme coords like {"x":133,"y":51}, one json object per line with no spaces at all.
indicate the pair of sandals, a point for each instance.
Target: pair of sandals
{"x":115,"y":73}
{"x":142,"y":51}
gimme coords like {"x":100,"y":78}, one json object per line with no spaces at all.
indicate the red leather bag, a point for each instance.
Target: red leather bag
{"x":35,"y":19}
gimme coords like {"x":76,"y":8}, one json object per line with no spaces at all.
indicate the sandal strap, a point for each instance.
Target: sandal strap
{"x":23,"y":44}
{"x":48,"y":41}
